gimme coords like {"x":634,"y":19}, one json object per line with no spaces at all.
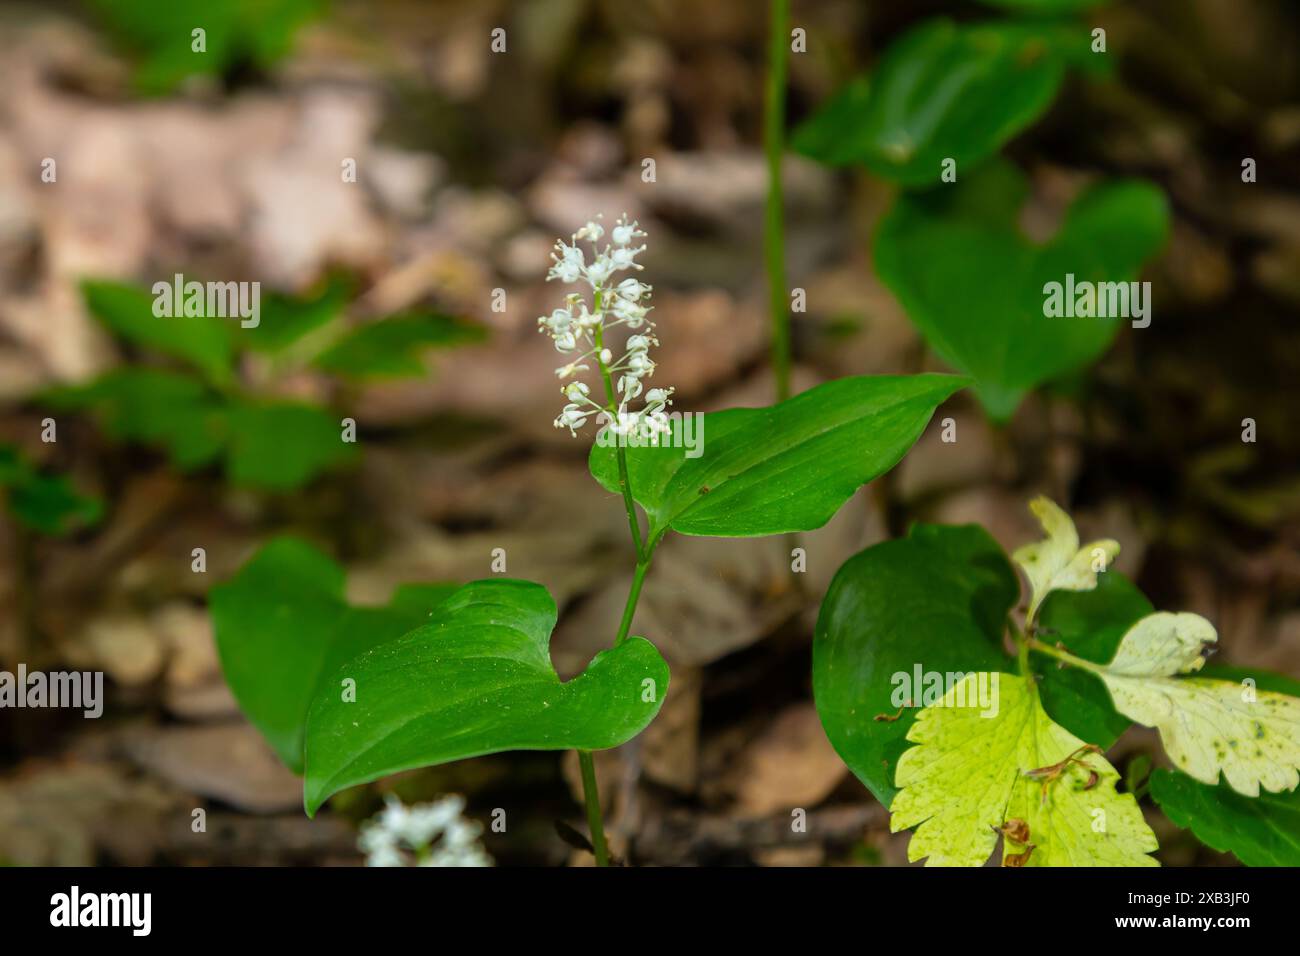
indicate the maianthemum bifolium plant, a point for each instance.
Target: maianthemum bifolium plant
{"x":348,"y":694}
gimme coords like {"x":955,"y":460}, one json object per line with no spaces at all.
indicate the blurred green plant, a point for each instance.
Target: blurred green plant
{"x":973,"y":284}
{"x":942,"y":101}
{"x":945,"y":91}
{"x":47,"y":504}
{"x":160,"y":35}
{"x":198,"y":410}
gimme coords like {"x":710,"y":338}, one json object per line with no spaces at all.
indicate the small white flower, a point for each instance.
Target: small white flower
{"x":624,"y":257}
{"x":576,"y":391}
{"x":433,"y":834}
{"x":632,"y":291}
{"x":573,"y":417}
{"x":629,"y":386}
{"x":592,"y":232}
{"x":624,"y":231}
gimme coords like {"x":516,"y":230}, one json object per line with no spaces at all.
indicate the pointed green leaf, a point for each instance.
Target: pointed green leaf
{"x":283,"y":621}
{"x":973,"y":773}
{"x":280,"y":446}
{"x":974,"y":286}
{"x":475,"y":679}
{"x":933,"y":603}
{"x":944,"y":91}
{"x":155,"y":407}
{"x":237,"y":32}
{"x":391,"y":347}
{"x":284,"y":320}
{"x":48,"y":504}
{"x":787,"y":467}
{"x":1207,"y":726}
{"x":202,"y":341}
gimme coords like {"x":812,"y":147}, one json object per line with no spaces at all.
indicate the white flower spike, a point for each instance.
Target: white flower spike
{"x":580,"y":326}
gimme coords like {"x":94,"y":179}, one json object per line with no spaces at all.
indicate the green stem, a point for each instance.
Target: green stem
{"x":644,"y":554}
{"x":629,"y":607}
{"x":1061,"y":655}
{"x":594,"y":819}
{"x":774,"y":213}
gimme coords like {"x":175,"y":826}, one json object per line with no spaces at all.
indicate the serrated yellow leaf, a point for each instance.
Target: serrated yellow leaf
{"x":973,"y":773}
{"x":1206,"y":725}
{"x":1057,"y":562}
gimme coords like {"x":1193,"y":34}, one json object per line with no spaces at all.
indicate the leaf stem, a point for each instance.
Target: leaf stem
{"x":1061,"y":655}
{"x":774,"y":212}
{"x":595,"y":821}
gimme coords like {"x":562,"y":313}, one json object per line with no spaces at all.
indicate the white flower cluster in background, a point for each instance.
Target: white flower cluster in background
{"x":428,"y":834}
{"x":582,"y":327}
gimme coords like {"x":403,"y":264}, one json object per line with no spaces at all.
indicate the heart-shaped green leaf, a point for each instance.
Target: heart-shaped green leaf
{"x":975,"y":287}
{"x":283,"y":621}
{"x":1091,"y":625}
{"x":787,"y":467}
{"x":944,"y":91}
{"x":476,"y":678}
{"x":391,"y":347}
{"x":902,"y":622}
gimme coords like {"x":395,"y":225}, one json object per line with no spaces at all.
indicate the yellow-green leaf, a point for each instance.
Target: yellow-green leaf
{"x":1206,"y":725}
{"x":979,"y":771}
{"x":1057,"y":562}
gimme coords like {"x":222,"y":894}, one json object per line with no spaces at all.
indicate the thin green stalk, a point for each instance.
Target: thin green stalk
{"x":629,"y":607}
{"x":644,"y":554}
{"x":594,"y":820}
{"x":774,"y":213}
